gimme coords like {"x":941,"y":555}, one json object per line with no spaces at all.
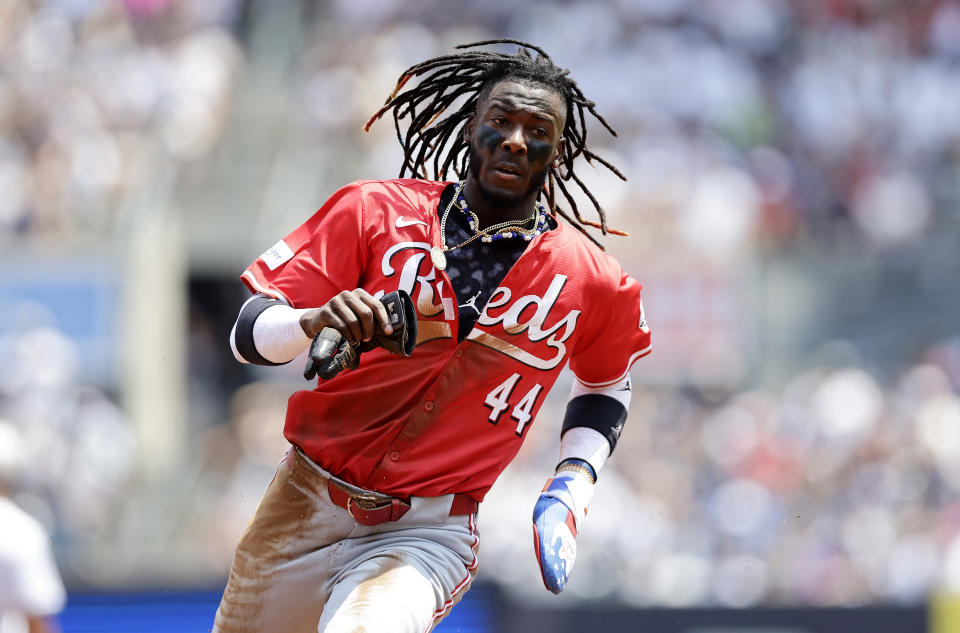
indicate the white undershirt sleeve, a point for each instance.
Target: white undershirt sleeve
{"x":619,"y":391}
{"x":277,"y":334}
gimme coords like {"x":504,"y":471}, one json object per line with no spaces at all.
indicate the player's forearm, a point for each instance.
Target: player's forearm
{"x":268,"y":332}
{"x":591,"y":428}
{"x":583,"y":452}
{"x":583,"y":443}
{"x":593,"y":421}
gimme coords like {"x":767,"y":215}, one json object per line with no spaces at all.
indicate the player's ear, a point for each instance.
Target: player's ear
{"x":559,"y":150}
{"x":468,"y":128}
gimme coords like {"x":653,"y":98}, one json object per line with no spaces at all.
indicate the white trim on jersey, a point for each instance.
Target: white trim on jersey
{"x":276,"y":294}
{"x":626,"y":372}
{"x":619,"y":391}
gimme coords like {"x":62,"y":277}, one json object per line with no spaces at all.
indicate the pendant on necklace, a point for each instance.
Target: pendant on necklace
{"x":438,"y":258}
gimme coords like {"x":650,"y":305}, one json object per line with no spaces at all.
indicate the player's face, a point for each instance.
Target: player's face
{"x":514,"y":137}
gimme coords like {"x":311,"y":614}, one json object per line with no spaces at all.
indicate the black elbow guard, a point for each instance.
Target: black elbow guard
{"x":598,"y":412}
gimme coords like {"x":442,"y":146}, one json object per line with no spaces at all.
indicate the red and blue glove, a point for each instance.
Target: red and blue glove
{"x":557,"y":519}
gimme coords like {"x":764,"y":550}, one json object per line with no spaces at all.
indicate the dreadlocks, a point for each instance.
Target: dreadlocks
{"x":469,"y":75}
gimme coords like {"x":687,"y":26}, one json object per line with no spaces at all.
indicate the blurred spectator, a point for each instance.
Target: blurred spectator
{"x":80,"y":437}
{"x":31,"y":592}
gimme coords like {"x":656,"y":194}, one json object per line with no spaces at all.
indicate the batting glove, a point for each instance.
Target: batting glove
{"x":557,"y":519}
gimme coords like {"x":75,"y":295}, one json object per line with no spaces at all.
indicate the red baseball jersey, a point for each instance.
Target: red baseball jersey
{"x":452,"y":416}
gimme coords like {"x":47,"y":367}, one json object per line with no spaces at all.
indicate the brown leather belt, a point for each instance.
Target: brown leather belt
{"x":375,"y":508}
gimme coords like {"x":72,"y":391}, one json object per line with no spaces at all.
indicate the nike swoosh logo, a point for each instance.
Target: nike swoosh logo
{"x":402,"y":222}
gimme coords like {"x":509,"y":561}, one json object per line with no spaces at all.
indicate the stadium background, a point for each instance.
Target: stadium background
{"x":794,"y":204}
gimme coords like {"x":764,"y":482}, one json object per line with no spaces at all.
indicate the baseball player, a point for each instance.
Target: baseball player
{"x":438,"y":315}
{"x":31,"y":591}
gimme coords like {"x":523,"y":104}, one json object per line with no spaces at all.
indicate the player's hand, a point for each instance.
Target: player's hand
{"x":331,"y":352}
{"x":355,"y":314}
{"x":556,"y":522}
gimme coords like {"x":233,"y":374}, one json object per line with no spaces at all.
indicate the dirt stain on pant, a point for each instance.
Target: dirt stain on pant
{"x":303,"y":564}
{"x":277,"y":535}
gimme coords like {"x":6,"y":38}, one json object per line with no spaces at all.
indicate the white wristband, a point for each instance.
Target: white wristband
{"x":584,"y":443}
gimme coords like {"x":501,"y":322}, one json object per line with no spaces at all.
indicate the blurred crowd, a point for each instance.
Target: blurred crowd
{"x":746,"y":127}
{"x":830,"y":120}
{"x":743,"y":123}
{"x":78,"y":462}
{"x":834,"y":490}
{"x":92,"y":94}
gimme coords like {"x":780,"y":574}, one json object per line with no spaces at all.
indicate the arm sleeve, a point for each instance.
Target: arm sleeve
{"x":44,"y":594}
{"x":29,"y":581}
{"x":268,"y":332}
{"x":618,"y":336}
{"x":602,"y":410}
{"x":323,"y":256}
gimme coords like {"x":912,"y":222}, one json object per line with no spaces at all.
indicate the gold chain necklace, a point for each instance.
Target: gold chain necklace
{"x":438,"y":253}
{"x":515,"y":226}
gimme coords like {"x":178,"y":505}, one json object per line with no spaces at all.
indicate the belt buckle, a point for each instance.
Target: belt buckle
{"x":370,"y":501}
{"x":365,"y":503}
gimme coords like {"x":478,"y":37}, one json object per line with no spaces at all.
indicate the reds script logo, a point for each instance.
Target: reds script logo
{"x":536,"y":327}
{"x":418,"y":286}
{"x":431,"y":302}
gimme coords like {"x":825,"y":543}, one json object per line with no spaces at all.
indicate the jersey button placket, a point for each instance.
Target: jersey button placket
{"x":394,"y":455}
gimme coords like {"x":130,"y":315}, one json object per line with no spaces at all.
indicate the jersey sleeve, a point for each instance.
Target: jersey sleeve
{"x":618,"y":337}
{"x":323,"y":256}
{"x":43,"y":591}
{"x":29,"y":580}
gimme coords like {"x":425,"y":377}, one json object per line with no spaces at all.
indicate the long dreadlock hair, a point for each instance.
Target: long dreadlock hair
{"x":450,"y":78}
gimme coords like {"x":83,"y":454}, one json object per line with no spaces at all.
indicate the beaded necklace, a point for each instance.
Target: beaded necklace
{"x":504,"y":230}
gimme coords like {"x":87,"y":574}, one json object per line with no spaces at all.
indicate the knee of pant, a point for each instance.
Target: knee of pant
{"x":350,"y":625}
{"x":398,"y":612}
{"x":342,"y":627}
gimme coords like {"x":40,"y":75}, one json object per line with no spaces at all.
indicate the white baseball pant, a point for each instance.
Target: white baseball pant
{"x":303,"y":565}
